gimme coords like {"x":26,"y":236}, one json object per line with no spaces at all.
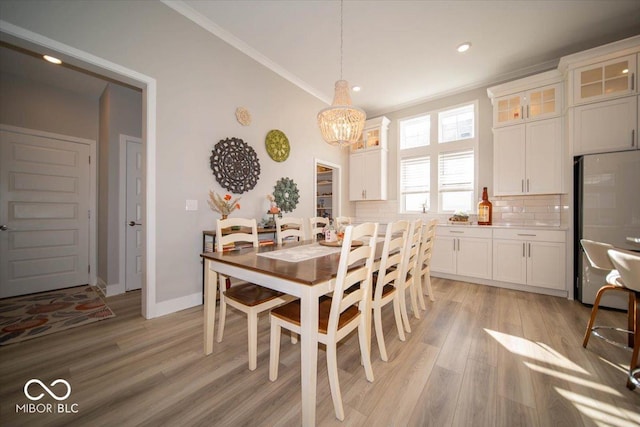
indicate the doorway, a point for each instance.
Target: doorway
{"x":84,"y":60}
{"x":327,"y":189}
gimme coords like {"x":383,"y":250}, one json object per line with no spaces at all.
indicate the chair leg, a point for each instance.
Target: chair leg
{"x":420,"y":292}
{"x":633,"y":364}
{"x":223,"y":316}
{"x":398,"y":315}
{"x":364,"y":349}
{"x":377,"y":320}
{"x":274,"y":351}
{"x":631,"y":319}
{"x":334,"y":384}
{"x":594,"y":312}
{"x":403,"y":308}
{"x":252,"y":322}
{"x":427,"y":279}
{"x":413,"y":291}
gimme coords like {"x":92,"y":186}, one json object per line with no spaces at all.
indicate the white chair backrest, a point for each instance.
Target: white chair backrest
{"x":392,"y":255}
{"x":412,"y":249}
{"x":248,"y":232}
{"x":628,"y":265}
{"x":596,"y":253}
{"x":348,"y":276}
{"x":316,"y":226}
{"x":342,"y":221}
{"x":426,"y":245}
{"x":289,"y":227}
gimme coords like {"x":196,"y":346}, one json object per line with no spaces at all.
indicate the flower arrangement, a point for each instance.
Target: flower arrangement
{"x":223,"y":205}
{"x":273,"y":209}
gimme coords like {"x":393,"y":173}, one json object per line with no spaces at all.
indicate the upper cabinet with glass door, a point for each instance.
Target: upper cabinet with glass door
{"x":374,"y":135}
{"x":608,"y":79}
{"x":531,"y":98}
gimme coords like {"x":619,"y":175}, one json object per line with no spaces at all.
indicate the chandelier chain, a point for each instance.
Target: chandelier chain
{"x":341,"y":37}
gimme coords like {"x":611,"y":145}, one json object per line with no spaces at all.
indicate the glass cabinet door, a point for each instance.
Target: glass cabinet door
{"x":508,"y":109}
{"x":606,"y":79}
{"x":544,"y":102}
{"x":372,"y":137}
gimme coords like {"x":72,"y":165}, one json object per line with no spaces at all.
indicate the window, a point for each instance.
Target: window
{"x":456,"y":124}
{"x":448,"y":166}
{"x":455,"y":181}
{"x":415,"y":132}
{"x":414,"y":184}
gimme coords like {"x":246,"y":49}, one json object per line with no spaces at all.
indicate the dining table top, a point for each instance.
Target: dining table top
{"x":306,"y":272}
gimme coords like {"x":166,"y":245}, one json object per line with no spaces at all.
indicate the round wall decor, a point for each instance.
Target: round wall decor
{"x":235,"y":165}
{"x":277,"y":145}
{"x":243,"y":116}
{"x":286,"y":194}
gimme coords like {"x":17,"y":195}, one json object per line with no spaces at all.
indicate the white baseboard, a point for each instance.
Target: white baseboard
{"x":177,"y":304}
{"x":494,"y":283}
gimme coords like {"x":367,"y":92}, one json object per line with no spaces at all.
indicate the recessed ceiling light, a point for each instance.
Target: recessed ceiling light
{"x":356,"y":88}
{"x":464,"y":47}
{"x":52,"y":59}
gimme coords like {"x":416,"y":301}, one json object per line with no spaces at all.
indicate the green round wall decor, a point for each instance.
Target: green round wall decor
{"x":286,"y":194}
{"x":277,"y":145}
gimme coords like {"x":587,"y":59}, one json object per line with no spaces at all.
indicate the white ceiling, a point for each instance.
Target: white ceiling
{"x":400,"y":52}
{"x":404,"y":52}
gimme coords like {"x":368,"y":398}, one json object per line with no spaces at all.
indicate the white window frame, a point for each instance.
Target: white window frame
{"x":433,"y":150}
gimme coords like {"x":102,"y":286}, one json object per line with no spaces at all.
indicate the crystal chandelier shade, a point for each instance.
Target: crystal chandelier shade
{"x":342,"y":123}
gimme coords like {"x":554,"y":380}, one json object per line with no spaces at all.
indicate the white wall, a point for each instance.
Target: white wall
{"x":200,"y":82}
{"x":28,"y":104}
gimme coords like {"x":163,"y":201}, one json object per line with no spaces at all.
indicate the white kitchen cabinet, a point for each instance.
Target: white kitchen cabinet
{"x":605,"y":80}
{"x":368,"y":175}
{"x":606,"y":126}
{"x":368,"y":162}
{"x":527,"y":158}
{"x":533,"y":104}
{"x":530,"y":257}
{"x":464,"y":251}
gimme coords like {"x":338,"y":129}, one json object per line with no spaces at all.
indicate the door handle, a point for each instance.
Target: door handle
{"x":4,"y":227}
{"x":133,"y":223}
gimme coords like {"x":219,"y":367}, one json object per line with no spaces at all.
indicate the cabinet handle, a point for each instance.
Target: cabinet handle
{"x":522,"y":184}
{"x":523,"y":255}
{"x":527,"y":234}
{"x":527,"y":185}
{"x":527,"y":111}
{"x":529,"y":250}
{"x":458,"y":244}
{"x":521,"y":113}
{"x":633,"y":137}
{"x":633,"y":80}
{"x":456,"y":231}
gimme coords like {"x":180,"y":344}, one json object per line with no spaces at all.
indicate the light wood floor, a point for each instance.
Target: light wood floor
{"x":480,"y":356}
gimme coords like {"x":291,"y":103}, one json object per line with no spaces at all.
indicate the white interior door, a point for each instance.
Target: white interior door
{"x":134,"y":244}
{"x":44,"y":213}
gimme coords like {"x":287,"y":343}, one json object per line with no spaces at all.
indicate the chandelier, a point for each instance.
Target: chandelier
{"x":342,"y":123}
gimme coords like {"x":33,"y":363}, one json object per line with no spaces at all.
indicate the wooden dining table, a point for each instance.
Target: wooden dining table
{"x":307,"y":279}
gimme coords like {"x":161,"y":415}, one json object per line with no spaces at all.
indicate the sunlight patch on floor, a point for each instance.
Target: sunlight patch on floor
{"x":533,"y":350}
{"x":603,"y":414}
{"x":573,"y":379}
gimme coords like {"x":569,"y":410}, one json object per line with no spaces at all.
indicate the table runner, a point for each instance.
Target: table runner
{"x":301,"y":253}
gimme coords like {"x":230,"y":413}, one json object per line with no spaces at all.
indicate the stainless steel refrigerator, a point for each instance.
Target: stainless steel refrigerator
{"x":607,"y":209}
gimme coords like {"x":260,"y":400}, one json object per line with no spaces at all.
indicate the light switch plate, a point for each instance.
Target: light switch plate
{"x":191,"y":205}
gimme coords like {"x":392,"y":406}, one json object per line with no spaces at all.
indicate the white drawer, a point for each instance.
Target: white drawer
{"x":464,"y":231}
{"x":530,"y":234}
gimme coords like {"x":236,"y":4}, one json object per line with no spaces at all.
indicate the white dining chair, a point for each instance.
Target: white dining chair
{"x":599,"y":260}
{"x":249,"y":298}
{"x":342,"y":221}
{"x":424,"y":261}
{"x":316,"y":226}
{"x":409,"y":272}
{"x":288,"y":228}
{"x":627,"y":264}
{"x":386,"y":281}
{"x":340,"y":313}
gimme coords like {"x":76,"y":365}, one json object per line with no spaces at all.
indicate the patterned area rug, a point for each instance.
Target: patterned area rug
{"x":31,"y":316}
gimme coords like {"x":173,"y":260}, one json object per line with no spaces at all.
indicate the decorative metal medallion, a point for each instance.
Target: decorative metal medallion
{"x":235,"y":165}
{"x":286,"y":194}
{"x":243,"y":116}
{"x":277,"y":145}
